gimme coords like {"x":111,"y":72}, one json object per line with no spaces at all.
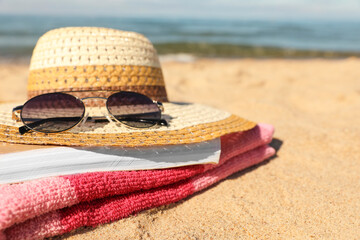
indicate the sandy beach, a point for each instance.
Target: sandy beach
{"x":310,"y":190}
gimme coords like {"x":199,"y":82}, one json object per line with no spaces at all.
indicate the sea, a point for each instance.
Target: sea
{"x":205,"y":37}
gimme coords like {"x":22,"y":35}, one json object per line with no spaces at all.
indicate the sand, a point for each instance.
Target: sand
{"x":310,"y":190}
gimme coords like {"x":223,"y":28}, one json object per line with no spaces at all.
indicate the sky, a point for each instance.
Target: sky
{"x":234,"y":9}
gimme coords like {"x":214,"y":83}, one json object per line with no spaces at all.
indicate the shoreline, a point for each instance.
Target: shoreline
{"x":190,"y":58}
{"x":199,"y":49}
{"x":205,"y":50}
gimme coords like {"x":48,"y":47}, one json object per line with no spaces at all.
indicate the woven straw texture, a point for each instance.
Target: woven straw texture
{"x":143,"y":79}
{"x":189,"y":123}
{"x":89,"y":61}
{"x":90,"y":58}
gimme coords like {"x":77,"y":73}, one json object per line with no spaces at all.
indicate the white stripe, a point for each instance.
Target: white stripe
{"x":38,"y":163}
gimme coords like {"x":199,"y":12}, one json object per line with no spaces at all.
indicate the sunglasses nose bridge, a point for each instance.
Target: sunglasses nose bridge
{"x":86,"y":98}
{"x":94,"y":101}
{"x":96,"y":110}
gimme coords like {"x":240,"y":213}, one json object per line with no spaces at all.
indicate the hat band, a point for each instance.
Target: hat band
{"x":144,"y":79}
{"x":157,"y":93}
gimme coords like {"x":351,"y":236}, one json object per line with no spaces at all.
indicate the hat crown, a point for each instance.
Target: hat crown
{"x":95,"y":59}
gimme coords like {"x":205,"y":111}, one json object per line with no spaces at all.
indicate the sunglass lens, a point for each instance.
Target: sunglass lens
{"x":53,"y":112}
{"x":134,"y":109}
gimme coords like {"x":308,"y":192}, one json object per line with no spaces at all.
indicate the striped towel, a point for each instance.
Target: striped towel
{"x":56,"y":205}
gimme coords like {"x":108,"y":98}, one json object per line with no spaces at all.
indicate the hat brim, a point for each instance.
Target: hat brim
{"x":188,"y":123}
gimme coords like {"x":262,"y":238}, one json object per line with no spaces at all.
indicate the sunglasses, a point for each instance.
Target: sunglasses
{"x":58,"y":112}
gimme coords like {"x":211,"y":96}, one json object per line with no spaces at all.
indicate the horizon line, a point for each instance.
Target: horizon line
{"x":198,"y":17}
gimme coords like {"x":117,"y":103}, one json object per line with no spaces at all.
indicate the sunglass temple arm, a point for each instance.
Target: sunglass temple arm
{"x":160,"y":105}
{"x":16,"y":116}
{"x":16,"y":113}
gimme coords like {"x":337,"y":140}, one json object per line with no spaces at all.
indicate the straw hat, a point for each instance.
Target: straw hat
{"x":98,"y":60}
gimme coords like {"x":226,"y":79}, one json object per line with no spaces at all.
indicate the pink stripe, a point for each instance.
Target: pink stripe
{"x":37,"y":228}
{"x":113,"y":208}
{"x":30,"y":199}
{"x":19,"y":202}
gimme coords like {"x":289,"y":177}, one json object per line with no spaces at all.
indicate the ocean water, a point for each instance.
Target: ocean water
{"x":18,"y":34}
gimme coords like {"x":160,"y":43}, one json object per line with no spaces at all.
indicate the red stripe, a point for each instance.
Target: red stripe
{"x":109,"y":209}
{"x":89,"y":186}
{"x":113,"y":208}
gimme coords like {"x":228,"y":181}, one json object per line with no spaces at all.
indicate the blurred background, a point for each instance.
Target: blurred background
{"x":292,"y":63}
{"x":214,"y":28}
